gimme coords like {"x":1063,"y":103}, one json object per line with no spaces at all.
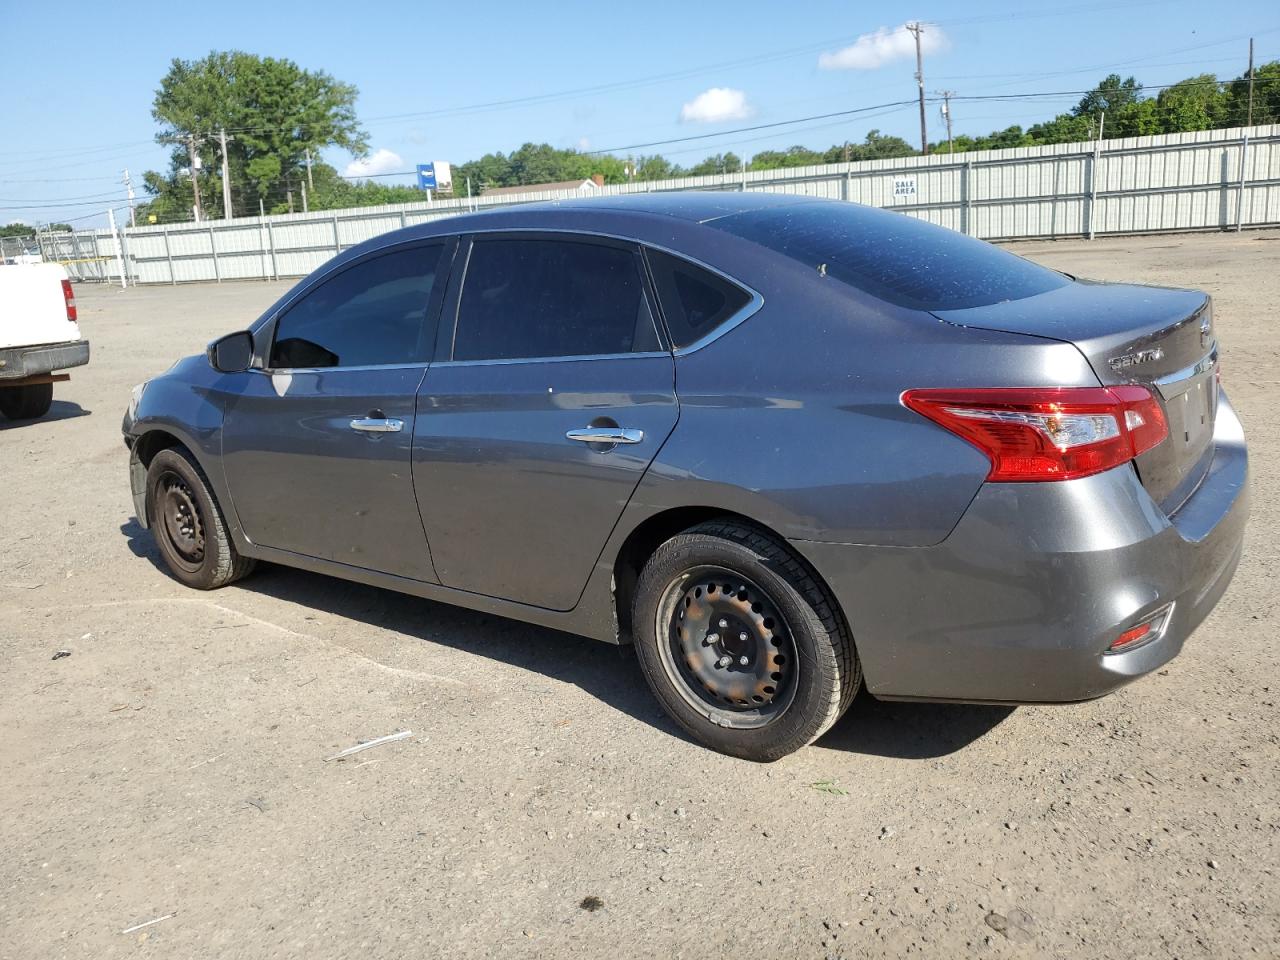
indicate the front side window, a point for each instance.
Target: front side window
{"x":371,"y":314}
{"x":530,"y":298}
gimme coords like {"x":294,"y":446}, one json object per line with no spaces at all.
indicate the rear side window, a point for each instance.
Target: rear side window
{"x":894,"y":257}
{"x":524,"y":299}
{"x":694,"y":301}
{"x":371,"y":314}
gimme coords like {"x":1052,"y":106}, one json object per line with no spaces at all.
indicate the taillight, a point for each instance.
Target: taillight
{"x":1051,"y":433}
{"x":69,"y":296}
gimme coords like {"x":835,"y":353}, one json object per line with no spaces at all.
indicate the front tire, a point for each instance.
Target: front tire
{"x":188,"y":525}
{"x":26,"y":403}
{"x":740,"y":642}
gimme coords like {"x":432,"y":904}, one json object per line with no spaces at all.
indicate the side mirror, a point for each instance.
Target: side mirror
{"x":232,"y":353}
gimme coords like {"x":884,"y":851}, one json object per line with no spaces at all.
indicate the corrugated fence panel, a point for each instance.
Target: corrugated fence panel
{"x":1186,"y":181}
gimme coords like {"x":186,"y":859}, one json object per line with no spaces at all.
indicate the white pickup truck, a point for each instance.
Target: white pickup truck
{"x":39,"y":336}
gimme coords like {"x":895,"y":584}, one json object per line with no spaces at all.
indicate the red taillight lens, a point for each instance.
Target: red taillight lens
{"x":1051,"y":433}
{"x":69,"y":296}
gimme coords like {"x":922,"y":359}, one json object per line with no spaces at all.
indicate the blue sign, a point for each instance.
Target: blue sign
{"x":426,"y":176}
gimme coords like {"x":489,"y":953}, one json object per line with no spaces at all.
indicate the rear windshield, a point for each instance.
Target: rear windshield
{"x":894,"y":257}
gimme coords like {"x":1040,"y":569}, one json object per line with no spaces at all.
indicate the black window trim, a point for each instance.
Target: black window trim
{"x":449,"y":249}
{"x":447,"y":329}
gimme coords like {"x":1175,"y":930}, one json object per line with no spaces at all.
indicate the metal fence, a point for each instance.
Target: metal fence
{"x":1214,"y":179}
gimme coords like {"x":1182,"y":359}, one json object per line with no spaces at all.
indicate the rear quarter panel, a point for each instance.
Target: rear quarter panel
{"x":793,"y":418}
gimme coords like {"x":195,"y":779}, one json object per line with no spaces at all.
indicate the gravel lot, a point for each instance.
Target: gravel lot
{"x":173,"y":765}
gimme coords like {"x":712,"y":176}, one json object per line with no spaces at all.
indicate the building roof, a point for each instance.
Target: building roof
{"x":587,"y":184}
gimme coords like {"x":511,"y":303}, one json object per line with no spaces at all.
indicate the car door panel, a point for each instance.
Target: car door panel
{"x":303,"y":480}
{"x":317,"y":447}
{"x":513,"y":508}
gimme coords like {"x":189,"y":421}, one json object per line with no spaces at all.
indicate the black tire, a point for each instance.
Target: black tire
{"x":781,"y":618}
{"x":188,"y":524}
{"x":26,"y":403}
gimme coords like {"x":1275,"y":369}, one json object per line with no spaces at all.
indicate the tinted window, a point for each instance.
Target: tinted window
{"x":694,"y":301}
{"x":893,"y":256}
{"x":551,"y":298}
{"x":372,"y":313}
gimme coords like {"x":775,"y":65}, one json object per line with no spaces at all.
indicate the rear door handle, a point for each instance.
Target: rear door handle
{"x":377,"y":425}
{"x":606,"y":435}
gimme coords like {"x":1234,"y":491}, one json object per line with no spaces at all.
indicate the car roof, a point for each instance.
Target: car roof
{"x":622,"y":212}
{"x":699,"y":206}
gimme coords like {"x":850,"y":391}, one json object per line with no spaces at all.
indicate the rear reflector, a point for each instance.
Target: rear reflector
{"x":1050,"y":433}
{"x":1149,"y":629}
{"x":70,"y":297}
{"x":1132,"y":635}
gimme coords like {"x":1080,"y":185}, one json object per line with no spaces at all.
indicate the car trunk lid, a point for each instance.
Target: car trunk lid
{"x":1157,"y":337}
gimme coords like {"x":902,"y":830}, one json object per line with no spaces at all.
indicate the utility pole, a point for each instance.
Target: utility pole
{"x":305,"y":208}
{"x":289,"y":196}
{"x":226,"y":176}
{"x":194,"y":160}
{"x":1249,"y":122}
{"x":946,"y":115}
{"x":916,"y":29}
{"x":128,"y":186}
{"x":310,"y":183}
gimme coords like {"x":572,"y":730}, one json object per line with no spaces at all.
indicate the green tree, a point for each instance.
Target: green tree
{"x":1197,"y":103}
{"x":718,"y":163}
{"x":1110,"y":95}
{"x":274,"y":112}
{"x":795,"y":156}
{"x":1266,"y":97}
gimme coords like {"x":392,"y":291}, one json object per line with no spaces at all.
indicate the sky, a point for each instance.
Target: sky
{"x":79,"y":77}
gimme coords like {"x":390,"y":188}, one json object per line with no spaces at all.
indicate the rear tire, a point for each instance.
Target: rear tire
{"x":740,"y":643}
{"x":26,"y":403}
{"x":188,"y":525}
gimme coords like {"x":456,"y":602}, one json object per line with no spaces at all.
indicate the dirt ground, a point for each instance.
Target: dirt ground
{"x":174,"y":764}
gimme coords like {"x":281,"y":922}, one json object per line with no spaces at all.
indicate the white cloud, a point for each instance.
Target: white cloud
{"x":380,"y":161}
{"x":715,"y":105}
{"x":872,"y":50}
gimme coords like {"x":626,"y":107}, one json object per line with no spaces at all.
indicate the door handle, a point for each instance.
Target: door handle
{"x":377,"y":425}
{"x":606,"y":435}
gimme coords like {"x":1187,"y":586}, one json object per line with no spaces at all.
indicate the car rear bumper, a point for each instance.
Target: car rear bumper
{"x":1021,"y":602}
{"x":17,"y":363}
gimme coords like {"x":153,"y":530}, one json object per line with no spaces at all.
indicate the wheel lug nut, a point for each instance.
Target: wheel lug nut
{"x":743,"y":636}
{"x":710,"y":638}
{"x":724,"y":624}
{"x":742,"y":660}
{"x":723,"y":662}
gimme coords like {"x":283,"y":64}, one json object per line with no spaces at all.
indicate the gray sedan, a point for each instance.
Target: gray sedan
{"x":787,"y":447}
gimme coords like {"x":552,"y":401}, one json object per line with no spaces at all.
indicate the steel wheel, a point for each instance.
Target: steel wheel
{"x":726,"y":648}
{"x":181,"y":520}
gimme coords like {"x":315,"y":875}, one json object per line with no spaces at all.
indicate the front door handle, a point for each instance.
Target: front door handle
{"x":606,"y":435}
{"x":377,"y":425}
